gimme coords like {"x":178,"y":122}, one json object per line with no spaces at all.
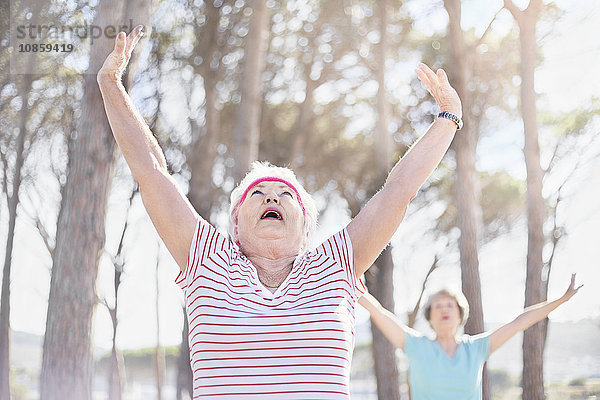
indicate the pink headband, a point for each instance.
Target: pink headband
{"x":271,"y":179}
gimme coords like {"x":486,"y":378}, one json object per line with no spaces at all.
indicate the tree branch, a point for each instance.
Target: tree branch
{"x":117,"y":259}
{"x":35,"y":217}
{"x":514,"y":10}
{"x":45,"y":235}
{"x":412,"y":316}
{"x":4,"y":175}
{"x":552,"y":158}
{"x":487,"y":29}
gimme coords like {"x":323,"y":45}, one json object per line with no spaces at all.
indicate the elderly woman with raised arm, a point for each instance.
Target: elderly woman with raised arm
{"x":450,"y":366}
{"x":269,"y":317}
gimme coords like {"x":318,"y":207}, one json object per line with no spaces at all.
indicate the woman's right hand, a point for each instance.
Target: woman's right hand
{"x":571,"y":290}
{"x":438,"y":86}
{"x":116,"y":62}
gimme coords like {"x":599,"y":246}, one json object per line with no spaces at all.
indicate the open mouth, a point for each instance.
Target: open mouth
{"x":271,"y":214}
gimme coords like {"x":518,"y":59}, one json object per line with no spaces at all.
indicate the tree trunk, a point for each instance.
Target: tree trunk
{"x":533,"y":338}
{"x":185,"y":380}
{"x":201,"y":160}
{"x":385,"y":143}
{"x":302,"y":127}
{"x":247,"y":127}
{"x":380,"y":280}
{"x":159,"y":353}
{"x":202,"y":157}
{"x":67,"y":371}
{"x":12,"y":218}
{"x":116,"y":364}
{"x":116,"y":371}
{"x":13,"y":202}
{"x":467,"y":190}
{"x":380,"y":284}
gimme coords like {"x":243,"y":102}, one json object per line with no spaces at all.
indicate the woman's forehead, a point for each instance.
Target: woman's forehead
{"x":442,"y":298}
{"x":271,"y":184}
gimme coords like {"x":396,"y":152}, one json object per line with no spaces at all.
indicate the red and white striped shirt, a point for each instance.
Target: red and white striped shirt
{"x":249,"y":343}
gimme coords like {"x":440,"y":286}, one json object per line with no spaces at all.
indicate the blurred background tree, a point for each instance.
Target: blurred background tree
{"x":324,"y":87}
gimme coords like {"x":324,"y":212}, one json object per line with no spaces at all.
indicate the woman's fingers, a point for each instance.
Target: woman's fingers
{"x":120,"y":44}
{"x":132,"y":39}
{"x":116,"y":62}
{"x":439,"y":87}
{"x":423,"y":78}
{"x":429,"y":73}
{"x":573,"y":283}
{"x":138,"y":35}
{"x":442,"y":77}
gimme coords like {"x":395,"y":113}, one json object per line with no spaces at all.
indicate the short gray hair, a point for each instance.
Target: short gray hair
{"x":459,"y":297}
{"x":265,"y":169}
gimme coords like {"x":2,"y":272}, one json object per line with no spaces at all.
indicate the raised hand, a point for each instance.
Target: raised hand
{"x":571,"y":290}
{"x":117,"y":60}
{"x":438,"y":86}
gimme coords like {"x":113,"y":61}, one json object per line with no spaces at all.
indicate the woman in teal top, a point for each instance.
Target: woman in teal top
{"x":450,"y":366}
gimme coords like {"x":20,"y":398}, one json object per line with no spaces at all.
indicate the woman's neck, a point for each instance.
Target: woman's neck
{"x":448,"y":342}
{"x":273,"y":263}
{"x":273,"y":259}
{"x":272,"y":273}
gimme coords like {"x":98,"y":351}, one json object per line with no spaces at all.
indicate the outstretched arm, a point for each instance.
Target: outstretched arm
{"x":387,"y":322}
{"x":373,"y":227}
{"x":170,"y":211}
{"x":529,"y":317}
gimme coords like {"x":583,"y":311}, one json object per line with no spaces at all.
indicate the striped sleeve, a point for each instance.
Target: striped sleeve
{"x":206,"y":241}
{"x":339,"y":248}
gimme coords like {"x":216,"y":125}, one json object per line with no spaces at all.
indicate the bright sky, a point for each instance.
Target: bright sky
{"x":566,"y":80}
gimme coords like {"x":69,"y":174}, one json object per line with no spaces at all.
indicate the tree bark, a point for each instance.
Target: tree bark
{"x":381,"y":278}
{"x":380,"y":284}
{"x":201,"y":160}
{"x":467,"y":190}
{"x":116,"y":371}
{"x":13,"y":202}
{"x":385,"y":143}
{"x":300,"y":132}
{"x":247,"y":127}
{"x":185,"y":378}
{"x":116,"y":368}
{"x":67,"y":366}
{"x":202,"y":157}
{"x":533,"y":338}
{"x":159,"y":353}
{"x":12,"y":218}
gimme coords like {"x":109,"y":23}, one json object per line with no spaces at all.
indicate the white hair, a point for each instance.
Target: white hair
{"x":265,"y":169}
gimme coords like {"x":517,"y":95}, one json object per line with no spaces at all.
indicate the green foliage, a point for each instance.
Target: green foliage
{"x":19,"y":379}
{"x":19,"y":392}
{"x":502,"y":202}
{"x":570,"y":123}
{"x":501,"y":381}
{"x":140,"y":358}
{"x":577,"y":382}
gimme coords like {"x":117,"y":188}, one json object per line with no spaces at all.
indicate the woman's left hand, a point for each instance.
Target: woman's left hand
{"x":439,"y":87}
{"x":571,"y":290}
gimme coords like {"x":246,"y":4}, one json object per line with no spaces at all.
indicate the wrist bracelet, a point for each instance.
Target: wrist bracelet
{"x":453,"y":118}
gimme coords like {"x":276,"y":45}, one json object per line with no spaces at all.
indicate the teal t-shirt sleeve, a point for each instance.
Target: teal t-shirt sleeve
{"x":481,"y":345}
{"x":411,"y":342}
